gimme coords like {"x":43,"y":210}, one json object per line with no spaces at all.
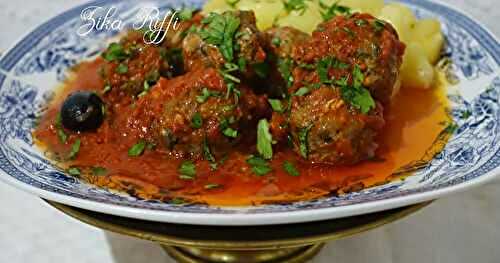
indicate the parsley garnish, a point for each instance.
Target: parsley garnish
{"x":378,"y":25}
{"x":212,"y":186}
{"x":207,"y":153}
{"x":323,"y":68}
{"x":227,"y":130}
{"x":302,"y":91}
{"x":264,"y":140}
{"x":74,"y":171}
{"x":285,"y":68}
{"x":75,"y":148}
{"x":332,"y":11}
{"x":295,"y":5}
{"x":206,"y":94}
{"x":304,"y":141}
{"x":260,"y":167}
{"x":99,"y":171}
{"x":137,"y":149}
{"x":276,"y":41}
{"x":196,"y":121}
{"x":289,"y":167}
{"x":232,"y":3}
{"x":122,"y":68}
{"x":187,"y":170}
{"x":220,"y":31}
{"x":115,"y":52}
{"x":451,"y":128}
{"x":177,"y":201}
{"x":186,"y":14}
{"x":276,"y":105}
{"x":357,"y":95}
{"x":63,"y":137}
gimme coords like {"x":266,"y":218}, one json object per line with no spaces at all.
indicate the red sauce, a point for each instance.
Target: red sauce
{"x":414,"y":122}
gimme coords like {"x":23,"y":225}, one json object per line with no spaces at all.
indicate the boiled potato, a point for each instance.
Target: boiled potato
{"x":305,"y":21}
{"x":401,"y":17}
{"x":266,"y":11}
{"x":428,"y":33}
{"x":416,"y":71}
{"x":216,"y":6}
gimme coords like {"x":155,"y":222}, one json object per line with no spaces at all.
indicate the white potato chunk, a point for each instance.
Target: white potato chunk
{"x":266,"y":11}
{"x":216,"y":6}
{"x":305,"y":21}
{"x":416,"y":71}
{"x":401,"y":17}
{"x":428,"y":33}
{"x":372,"y":7}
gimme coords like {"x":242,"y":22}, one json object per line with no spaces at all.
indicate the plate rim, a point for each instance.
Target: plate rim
{"x":245,"y":219}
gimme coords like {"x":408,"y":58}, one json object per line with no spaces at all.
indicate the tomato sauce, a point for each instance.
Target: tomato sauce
{"x":414,"y":129}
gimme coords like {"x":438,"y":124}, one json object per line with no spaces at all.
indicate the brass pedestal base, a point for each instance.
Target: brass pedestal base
{"x":289,"y":255}
{"x":293,"y":243}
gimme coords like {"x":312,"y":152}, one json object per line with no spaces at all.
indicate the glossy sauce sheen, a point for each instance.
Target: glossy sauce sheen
{"x":414,"y":122}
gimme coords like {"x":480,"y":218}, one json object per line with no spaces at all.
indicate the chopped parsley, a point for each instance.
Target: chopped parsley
{"x":451,"y":128}
{"x":115,"y":52}
{"x":196,"y":121}
{"x":186,"y":14}
{"x":329,"y":12}
{"x":260,"y":167}
{"x":378,"y":25}
{"x":226,"y":129}
{"x":360,"y":22}
{"x":466,"y":114}
{"x":276,"y":105}
{"x":187,"y":170}
{"x":264,"y":140}
{"x":295,"y":5}
{"x":289,"y":167}
{"x":106,"y":89}
{"x":304,"y":141}
{"x":99,"y":171}
{"x":357,"y":95}
{"x":137,"y":149}
{"x":302,"y":91}
{"x":276,"y":41}
{"x":285,"y":68}
{"x":75,"y":148}
{"x":207,"y":153}
{"x":212,"y":186}
{"x":63,"y":137}
{"x":74,"y":171}
{"x":221,"y":31}
{"x":206,"y":94}
{"x":324,"y":65}
{"x":122,"y":68}
{"x":177,"y":201}
{"x":232,"y":3}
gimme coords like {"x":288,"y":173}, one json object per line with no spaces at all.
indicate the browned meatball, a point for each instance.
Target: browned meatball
{"x":343,"y":77}
{"x":326,"y":130}
{"x":222,"y":39}
{"x":131,"y":64}
{"x":359,"y":39}
{"x":191,"y":116}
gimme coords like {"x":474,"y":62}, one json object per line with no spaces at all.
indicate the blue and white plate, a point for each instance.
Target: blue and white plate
{"x":31,"y":70}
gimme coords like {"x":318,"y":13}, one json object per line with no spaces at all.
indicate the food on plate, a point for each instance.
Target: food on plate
{"x":305,"y":15}
{"x":236,"y":109}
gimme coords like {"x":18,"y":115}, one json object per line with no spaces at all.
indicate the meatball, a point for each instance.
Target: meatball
{"x":342,"y":78}
{"x":325,"y":129}
{"x":191,"y":116}
{"x":222,"y":39}
{"x":359,"y":39}
{"x":279,"y":43}
{"x":131,"y":63}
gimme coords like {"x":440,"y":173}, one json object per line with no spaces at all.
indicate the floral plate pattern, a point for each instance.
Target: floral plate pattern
{"x":35,"y":65}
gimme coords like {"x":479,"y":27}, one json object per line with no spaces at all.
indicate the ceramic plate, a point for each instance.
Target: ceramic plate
{"x":35,"y":65}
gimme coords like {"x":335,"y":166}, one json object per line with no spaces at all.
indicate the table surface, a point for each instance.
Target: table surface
{"x":461,"y":228}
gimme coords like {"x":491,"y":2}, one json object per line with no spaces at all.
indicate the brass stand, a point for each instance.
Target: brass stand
{"x":294,"y":243}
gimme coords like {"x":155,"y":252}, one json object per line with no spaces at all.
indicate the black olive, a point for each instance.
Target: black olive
{"x":82,"y":111}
